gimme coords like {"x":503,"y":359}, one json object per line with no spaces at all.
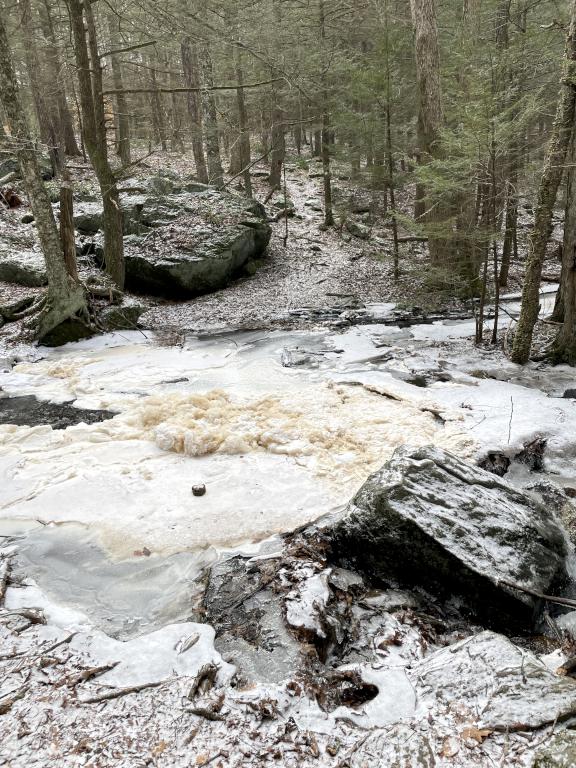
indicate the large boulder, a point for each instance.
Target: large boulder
{"x":25,"y":267}
{"x":9,"y":164}
{"x":428,"y":518}
{"x":185,"y":238}
{"x":206,"y":261}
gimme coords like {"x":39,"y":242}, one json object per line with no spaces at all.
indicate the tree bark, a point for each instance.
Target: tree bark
{"x":65,"y":296}
{"x":547,"y":193}
{"x":191,"y":66}
{"x":122,"y":117}
{"x":244,"y":139}
{"x":46,"y":110}
{"x":158,"y":114}
{"x":56,"y":76}
{"x":564,"y":347}
{"x":67,"y":238}
{"x":215,"y":172}
{"x":430,"y":116}
{"x":327,"y":140}
{"x":94,"y":134}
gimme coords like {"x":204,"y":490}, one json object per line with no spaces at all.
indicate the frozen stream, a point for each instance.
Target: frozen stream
{"x":280,"y":427}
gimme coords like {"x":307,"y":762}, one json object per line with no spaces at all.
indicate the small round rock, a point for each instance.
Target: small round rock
{"x":198,"y":490}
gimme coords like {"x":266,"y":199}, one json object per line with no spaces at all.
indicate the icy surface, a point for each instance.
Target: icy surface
{"x":275,"y":447}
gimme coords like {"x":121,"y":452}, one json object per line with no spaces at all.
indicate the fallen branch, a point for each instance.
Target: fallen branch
{"x":89,"y":674}
{"x":550,"y":598}
{"x":116,"y":693}
{"x":206,"y":712}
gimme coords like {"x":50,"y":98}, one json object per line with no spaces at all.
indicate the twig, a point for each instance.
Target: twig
{"x":511,"y":416}
{"x":128,"y":48}
{"x":550,"y":598}
{"x":117,"y":692}
{"x":88,"y":674}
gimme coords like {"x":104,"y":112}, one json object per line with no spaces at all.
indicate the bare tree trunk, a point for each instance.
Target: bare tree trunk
{"x":45,"y":109}
{"x":177,"y":141}
{"x":67,"y":237}
{"x":278,"y":141}
{"x":56,"y":76}
{"x":511,"y":219}
{"x":389,"y":148}
{"x":564,"y":347}
{"x":94,"y":133}
{"x":244,"y":139}
{"x":122,"y":117}
{"x":326,"y":133}
{"x":430,"y":112}
{"x":65,"y":295}
{"x":215,"y":172}
{"x":158,"y":114}
{"x":547,"y":193}
{"x":190,"y":66}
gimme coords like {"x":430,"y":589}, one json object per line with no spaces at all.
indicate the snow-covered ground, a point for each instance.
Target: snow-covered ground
{"x":281,"y":427}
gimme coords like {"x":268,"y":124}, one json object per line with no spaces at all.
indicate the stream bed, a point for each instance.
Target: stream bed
{"x":281,"y":427}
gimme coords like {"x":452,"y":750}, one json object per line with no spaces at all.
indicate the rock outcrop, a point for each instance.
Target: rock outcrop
{"x":430,"y":519}
{"x":184,"y":240}
{"x":24,"y":267}
{"x":181,"y":239}
{"x":507,"y":688}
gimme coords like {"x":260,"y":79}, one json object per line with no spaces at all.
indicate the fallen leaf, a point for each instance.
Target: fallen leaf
{"x":478,"y":734}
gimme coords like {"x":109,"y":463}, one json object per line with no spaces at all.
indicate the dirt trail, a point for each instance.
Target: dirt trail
{"x":317,"y":269}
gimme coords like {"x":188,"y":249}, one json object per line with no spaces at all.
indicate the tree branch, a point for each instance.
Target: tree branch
{"x":189,"y":90}
{"x":128,"y":48}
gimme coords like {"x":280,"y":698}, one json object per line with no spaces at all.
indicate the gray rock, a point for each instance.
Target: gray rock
{"x":123,"y":316}
{"x":250,"y":629}
{"x":160,"y":185}
{"x":207,"y":265}
{"x":25,"y":267}
{"x":358,"y":230}
{"x":205,"y":253}
{"x":506,"y":687}
{"x":429,"y":518}
{"x":11,"y":165}
{"x":558,"y":752}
